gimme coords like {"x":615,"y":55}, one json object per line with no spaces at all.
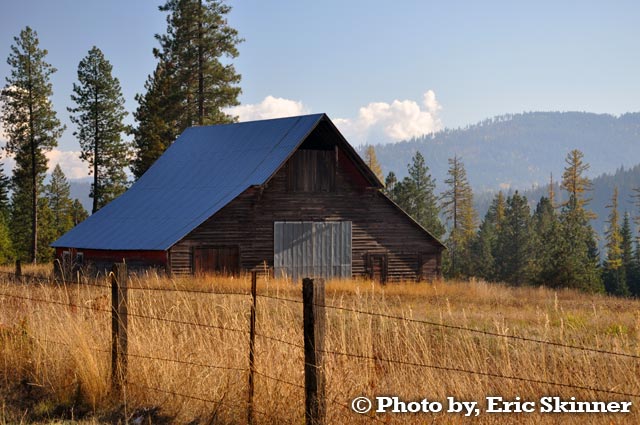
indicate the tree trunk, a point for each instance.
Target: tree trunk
{"x":96,"y":191}
{"x":200,"y":67}
{"x":34,"y":175}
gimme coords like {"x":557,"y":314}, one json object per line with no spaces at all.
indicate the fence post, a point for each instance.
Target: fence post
{"x":18,"y":269}
{"x":252,"y":344}
{"x":118,"y":325}
{"x":314,"y":327}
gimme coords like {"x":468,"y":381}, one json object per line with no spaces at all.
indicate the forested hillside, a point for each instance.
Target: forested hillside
{"x":521,"y":150}
{"x":625,"y":179}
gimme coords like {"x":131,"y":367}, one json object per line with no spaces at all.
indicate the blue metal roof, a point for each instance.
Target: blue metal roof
{"x":201,"y":172}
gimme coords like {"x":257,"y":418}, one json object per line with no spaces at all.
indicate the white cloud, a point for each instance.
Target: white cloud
{"x":69,"y":161}
{"x":379,"y":122}
{"x":270,"y":107}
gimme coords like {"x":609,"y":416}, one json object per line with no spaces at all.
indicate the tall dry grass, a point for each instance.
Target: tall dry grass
{"x":55,"y":360}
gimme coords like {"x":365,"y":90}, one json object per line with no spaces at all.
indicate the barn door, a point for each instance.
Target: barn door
{"x":312,"y":249}
{"x":222,"y":260}
{"x":377,"y":267}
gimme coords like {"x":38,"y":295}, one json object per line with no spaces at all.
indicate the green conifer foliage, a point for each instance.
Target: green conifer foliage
{"x":457,"y":203}
{"x":578,"y":262}
{"x":32,"y":129}
{"x":193,"y":82}
{"x":98,"y":116}
{"x":59,"y":203}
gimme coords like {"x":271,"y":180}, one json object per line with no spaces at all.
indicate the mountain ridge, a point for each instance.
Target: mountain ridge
{"x":521,"y":150}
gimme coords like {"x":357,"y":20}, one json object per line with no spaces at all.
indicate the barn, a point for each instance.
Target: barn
{"x":284,"y":196}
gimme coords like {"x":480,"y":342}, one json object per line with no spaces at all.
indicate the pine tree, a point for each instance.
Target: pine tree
{"x":194,"y":82}
{"x":424,"y":204}
{"x":5,"y":185}
{"x":578,"y":263}
{"x":57,"y":193}
{"x":457,"y":203}
{"x":390,"y":184}
{"x":515,"y":246}
{"x":483,"y":249}
{"x":6,"y":247}
{"x":32,"y":129}
{"x":156,"y":128}
{"x":628,"y":259}
{"x":547,"y":242}
{"x":371,"y":160}
{"x":78,"y":213}
{"x":99,"y":118}
{"x":47,"y":233}
{"x":615,"y":279}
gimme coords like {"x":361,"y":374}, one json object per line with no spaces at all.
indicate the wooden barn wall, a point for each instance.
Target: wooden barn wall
{"x":378,"y":226}
{"x":100,"y":262}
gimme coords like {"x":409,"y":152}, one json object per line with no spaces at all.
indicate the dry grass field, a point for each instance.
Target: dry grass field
{"x":189,"y":351}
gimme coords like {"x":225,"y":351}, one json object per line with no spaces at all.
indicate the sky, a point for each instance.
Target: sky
{"x":383,"y":71}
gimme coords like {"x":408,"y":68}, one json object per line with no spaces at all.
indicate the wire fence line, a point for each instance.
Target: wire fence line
{"x":302,"y":346}
{"x":461,"y":328}
{"x":353,"y":310}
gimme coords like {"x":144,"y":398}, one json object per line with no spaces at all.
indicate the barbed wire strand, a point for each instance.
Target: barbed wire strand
{"x":282,"y":341}
{"x":66,"y":304}
{"x":187,"y":362}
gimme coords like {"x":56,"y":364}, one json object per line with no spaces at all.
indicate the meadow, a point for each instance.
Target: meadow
{"x":188,"y":350}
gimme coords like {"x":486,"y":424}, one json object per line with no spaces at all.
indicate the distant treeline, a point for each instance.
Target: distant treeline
{"x":551,"y":244}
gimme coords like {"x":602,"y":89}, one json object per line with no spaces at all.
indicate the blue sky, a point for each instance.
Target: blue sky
{"x":382,"y":70}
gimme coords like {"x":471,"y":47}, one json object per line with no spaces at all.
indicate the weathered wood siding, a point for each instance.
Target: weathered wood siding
{"x":378,"y":226}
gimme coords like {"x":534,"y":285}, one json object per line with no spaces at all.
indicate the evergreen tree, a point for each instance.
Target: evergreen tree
{"x":6,"y":247}
{"x":423,"y":205}
{"x":371,"y":160}
{"x":614,"y":237}
{"x":5,"y":185}
{"x":548,"y":244}
{"x":578,"y":263}
{"x":390,"y":184}
{"x":156,"y":128}
{"x":515,"y":247}
{"x":57,"y":193}
{"x":47,"y":233}
{"x":78,"y":213}
{"x":32,"y":129}
{"x":98,"y":116}
{"x":457,"y":203}
{"x":628,"y":258}
{"x":415,"y":195}
{"x":483,"y":262}
{"x":483,"y":248}
{"x":194,"y":82}
{"x":615,"y":279}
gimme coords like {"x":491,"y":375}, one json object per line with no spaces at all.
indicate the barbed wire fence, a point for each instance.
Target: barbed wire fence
{"x":315,"y":311}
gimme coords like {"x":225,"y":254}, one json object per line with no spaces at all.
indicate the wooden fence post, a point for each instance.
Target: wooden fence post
{"x":119,"y":301}
{"x":18,"y":270}
{"x":252,"y":344}
{"x":314,"y":328}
